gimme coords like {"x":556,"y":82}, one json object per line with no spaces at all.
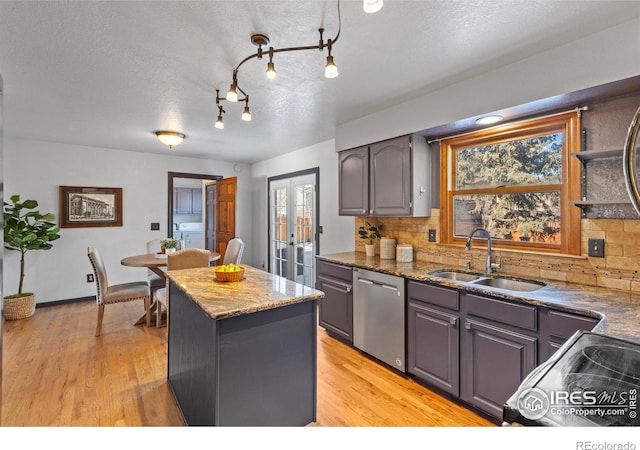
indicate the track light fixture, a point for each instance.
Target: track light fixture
{"x":219,"y":123}
{"x":235,"y":92}
{"x":372,"y":6}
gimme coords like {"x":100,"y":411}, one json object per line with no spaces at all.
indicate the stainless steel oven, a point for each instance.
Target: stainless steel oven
{"x":592,"y":380}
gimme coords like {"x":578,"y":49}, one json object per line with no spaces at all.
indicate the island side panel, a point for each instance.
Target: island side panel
{"x":267,"y":367}
{"x":191,"y":367}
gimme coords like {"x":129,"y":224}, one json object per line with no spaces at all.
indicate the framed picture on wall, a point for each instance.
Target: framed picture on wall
{"x":82,"y":206}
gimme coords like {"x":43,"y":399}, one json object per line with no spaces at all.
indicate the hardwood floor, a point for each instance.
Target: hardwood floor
{"x":57,"y":373}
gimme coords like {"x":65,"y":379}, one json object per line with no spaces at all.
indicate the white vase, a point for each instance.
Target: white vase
{"x":370,"y":249}
{"x":169,"y":250}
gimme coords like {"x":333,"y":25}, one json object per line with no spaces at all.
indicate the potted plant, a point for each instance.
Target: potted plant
{"x":25,"y":229}
{"x":370,"y":233}
{"x":169,"y":245}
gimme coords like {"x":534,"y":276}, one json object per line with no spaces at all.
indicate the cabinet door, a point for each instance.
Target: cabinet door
{"x":336,"y":308}
{"x":182,"y":200}
{"x":196,"y":201}
{"x":557,"y":327}
{"x":433,"y":346}
{"x":390,"y":177}
{"x":493,"y":363}
{"x":353,"y":182}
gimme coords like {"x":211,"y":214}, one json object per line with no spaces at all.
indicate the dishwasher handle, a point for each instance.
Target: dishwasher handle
{"x":382,"y":285}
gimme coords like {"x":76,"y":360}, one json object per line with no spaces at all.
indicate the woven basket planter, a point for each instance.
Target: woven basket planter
{"x":19,"y":307}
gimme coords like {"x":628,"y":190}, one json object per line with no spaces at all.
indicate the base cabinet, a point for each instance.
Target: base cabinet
{"x":494,"y":362}
{"x":433,"y":346}
{"x":556,"y":327}
{"x":336,"y":308}
{"x":474,"y":347}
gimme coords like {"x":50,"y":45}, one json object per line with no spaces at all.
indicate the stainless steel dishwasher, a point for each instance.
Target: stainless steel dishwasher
{"x":379,"y":316}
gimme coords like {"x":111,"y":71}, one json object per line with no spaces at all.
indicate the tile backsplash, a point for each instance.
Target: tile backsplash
{"x":619,"y":269}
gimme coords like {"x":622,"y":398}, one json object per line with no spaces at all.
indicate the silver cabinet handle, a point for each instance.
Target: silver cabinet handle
{"x":467,"y":325}
{"x":349,"y":290}
{"x":362,"y":280}
{"x":453,"y":320}
{"x":387,"y":286}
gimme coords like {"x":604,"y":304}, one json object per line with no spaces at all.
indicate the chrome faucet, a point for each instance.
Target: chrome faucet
{"x":490,"y":265}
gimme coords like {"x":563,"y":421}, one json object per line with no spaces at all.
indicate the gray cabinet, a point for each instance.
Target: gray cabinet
{"x":500,"y":348}
{"x":353,"y":182}
{"x":388,"y":178}
{"x":187,"y":201}
{"x":336,"y":308}
{"x":556,"y":327}
{"x":196,"y":201}
{"x":494,"y":362}
{"x":433,"y":336}
{"x":182,"y":200}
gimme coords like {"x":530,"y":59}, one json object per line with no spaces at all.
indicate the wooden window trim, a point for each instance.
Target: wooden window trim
{"x":569,"y":123}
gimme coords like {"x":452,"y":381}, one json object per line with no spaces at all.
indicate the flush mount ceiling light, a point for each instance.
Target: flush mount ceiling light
{"x":372,"y":6}
{"x":236,"y":94}
{"x":170,"y":138}
{"x":488,"y":120}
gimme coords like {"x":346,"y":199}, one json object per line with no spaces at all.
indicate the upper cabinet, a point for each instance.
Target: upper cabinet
{"x":187,"y":201}
{"x":388,"y":178}
{"x":353,"y":180}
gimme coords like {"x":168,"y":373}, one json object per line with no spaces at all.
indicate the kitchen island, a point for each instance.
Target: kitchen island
{"x":242,"y":353}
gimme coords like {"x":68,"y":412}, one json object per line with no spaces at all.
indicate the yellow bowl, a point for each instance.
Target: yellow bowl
{"x":229,"y":276}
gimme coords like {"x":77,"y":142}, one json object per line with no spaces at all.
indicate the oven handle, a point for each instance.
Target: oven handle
{"x":534,"y":373}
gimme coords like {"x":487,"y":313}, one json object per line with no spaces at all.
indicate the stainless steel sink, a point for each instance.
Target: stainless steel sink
{"x":455,"y":275}
{"x":509,"y":284}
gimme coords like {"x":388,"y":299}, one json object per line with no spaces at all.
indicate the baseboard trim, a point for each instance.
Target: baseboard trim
{"x":65,"y":301}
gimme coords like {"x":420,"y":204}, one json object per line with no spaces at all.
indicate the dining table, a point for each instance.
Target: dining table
{"x":154,"y":262}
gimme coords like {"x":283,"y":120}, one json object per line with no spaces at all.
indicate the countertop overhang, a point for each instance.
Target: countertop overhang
{"x":258,"y":291}
{"x":619,"y":311}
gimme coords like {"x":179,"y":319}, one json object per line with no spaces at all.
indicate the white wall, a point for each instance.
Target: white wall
{"x":337,"y":233}
{"x":601,"y":58}
{"x":35,"y":169}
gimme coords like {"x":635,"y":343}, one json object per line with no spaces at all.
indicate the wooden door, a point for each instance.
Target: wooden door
{"x":225,"y":213}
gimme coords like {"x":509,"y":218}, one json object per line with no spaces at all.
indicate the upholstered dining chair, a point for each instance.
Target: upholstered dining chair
{"x":155,"y":282}
{"x":188,"y":258}
{"x":116,"y":293}
{"x":233,"y":254}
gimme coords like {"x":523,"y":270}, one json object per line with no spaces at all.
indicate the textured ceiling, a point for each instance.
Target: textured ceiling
{"x":110,"y":73}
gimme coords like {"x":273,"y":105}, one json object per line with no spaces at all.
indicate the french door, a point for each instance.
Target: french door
{"x":292,"y":230}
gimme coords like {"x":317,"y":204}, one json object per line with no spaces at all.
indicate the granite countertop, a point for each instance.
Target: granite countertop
{"x":258,"y":291}
{"x":619,"y":311}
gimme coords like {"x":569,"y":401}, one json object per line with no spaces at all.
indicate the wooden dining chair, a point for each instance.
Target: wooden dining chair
{"x":116,"y":293}
{"x":155,"y":282}
{"x":188,"y":258}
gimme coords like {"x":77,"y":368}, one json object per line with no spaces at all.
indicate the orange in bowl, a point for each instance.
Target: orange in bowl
{"x":230,"y":272}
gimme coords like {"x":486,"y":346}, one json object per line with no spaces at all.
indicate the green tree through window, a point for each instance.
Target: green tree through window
{"x":513,"y":182}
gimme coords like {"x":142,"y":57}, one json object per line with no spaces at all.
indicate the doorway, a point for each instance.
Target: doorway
{"x":181,"y":190}
{"x":293,"y":230}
